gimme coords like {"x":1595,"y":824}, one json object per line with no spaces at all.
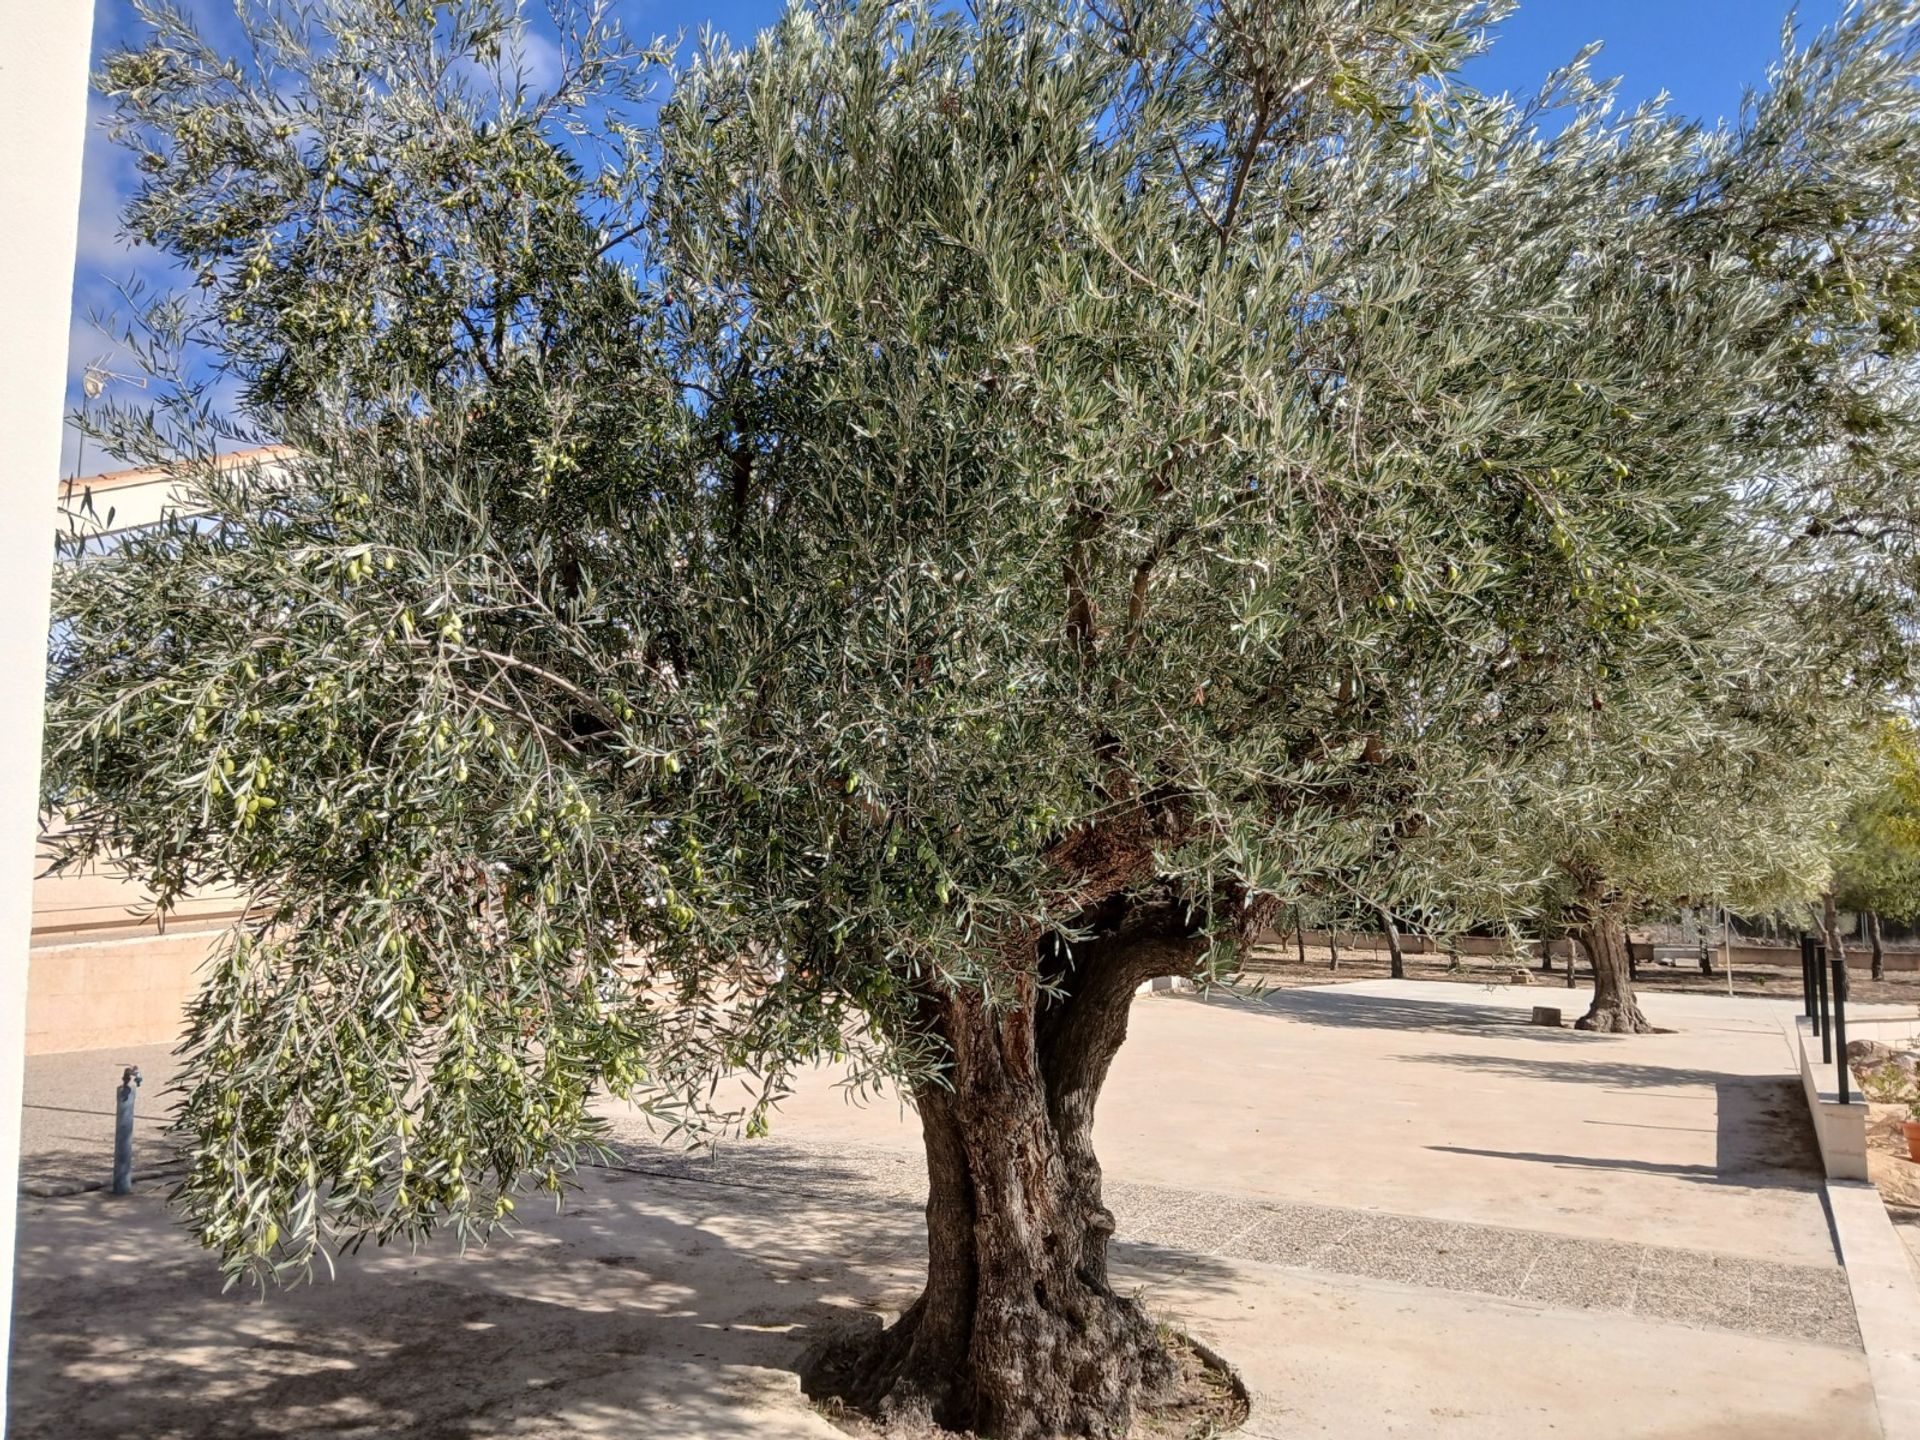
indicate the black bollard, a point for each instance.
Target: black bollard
{"x":1826,"y":1012}
{"x":1840,"y":1026}
{"x":1806,"y":979}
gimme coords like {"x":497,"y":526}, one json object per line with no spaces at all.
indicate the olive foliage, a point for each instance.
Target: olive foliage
{"x":1877,"y":865}
{"x":765,"y":542}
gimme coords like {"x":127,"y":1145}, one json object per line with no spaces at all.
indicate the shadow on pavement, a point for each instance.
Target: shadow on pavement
{"x":1339,"y":1008}
{"x":1763,"y":1136}
{"x":648,"y":1308}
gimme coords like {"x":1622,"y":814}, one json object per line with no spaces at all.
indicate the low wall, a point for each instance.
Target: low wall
{"x":1743,"y":956}
{"x":1411,"y":944}
{"x":99,"y":994}
{"x":103,"y":971}
{"x":1841,"y":1129}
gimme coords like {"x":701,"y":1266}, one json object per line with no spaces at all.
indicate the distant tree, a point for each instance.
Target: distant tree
{"x":1877,"y":867}
{"x":1714,"y":763}
{"x":1745,"y":815}
{"x":960,"y":514}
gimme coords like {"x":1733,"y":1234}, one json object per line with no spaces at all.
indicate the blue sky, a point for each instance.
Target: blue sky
{"x":1702,"y":53}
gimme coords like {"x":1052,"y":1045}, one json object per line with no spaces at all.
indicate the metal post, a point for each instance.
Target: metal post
{"x":1806,"y":980}
{"x":1825,"y":1021}
{"x":1840,"y":1023}
{"x":123,"y":1131}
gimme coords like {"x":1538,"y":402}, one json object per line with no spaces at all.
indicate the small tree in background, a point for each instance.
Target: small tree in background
{"x":1747,"y":818}
{"x":1877,"y":868}
{"x":963,"y":514}
{"x":1712,"y":767}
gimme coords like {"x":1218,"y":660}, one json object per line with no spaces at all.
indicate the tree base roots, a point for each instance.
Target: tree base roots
{"x":1124,"y":1376}
{"x":1625,"y":1020}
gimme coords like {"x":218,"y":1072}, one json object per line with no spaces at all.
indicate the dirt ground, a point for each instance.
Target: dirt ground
{"x":1277,"y":967}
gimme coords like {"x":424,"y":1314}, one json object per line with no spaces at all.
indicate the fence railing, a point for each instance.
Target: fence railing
{"x":1826,"y":1006}
{"x":1808,"y":986}
{"x":1840,"y":1022}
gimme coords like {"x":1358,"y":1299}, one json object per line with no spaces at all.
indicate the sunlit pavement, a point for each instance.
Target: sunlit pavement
{"x":1395,"y":1207}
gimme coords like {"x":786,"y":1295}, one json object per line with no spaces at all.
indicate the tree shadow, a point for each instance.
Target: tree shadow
{"x":646,"y":1307}
{"x":1335,"y":1007}
{"x":1763,"y":1138}
{"x":1607,"y":1069}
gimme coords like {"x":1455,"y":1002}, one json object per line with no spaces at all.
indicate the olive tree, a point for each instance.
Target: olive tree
{"x":1719,"y":787}
{"x":946,"y":518}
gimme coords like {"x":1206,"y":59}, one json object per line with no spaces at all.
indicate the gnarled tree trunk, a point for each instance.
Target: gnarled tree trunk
{"x":1601,"y":927}
{"x":1019,"y":1332}
{"x":1879,"y":950}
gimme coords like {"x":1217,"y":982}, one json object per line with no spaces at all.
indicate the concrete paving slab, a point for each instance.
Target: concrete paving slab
{"x":1703,"y":1287}
{"x":1355,"y":1359}
{"x":1414,"y":1098}
{"x":1440,"y":1100}
{"x":1601,"y":1275}
{"x":1292,"y":1234}
{"x":1435,"y":1253}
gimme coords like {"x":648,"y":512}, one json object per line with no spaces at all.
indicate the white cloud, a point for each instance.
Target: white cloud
{"x":107,"y":178}
{"x":537,"y":56}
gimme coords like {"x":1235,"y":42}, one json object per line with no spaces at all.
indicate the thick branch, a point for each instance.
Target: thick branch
{"x":1083,"y":626}
{"x":1080,"y":1033}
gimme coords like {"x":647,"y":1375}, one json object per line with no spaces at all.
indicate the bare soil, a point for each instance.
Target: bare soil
{"x":1205,"y":1399}
{"x":1277,"y":966}
{"x":1892,"y":1169}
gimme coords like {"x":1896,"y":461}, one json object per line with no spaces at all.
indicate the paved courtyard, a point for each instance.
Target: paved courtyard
{"x":1397,"y":1207}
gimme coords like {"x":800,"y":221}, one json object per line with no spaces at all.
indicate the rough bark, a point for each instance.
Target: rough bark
{"x":1019,"y":1332}
{"x":1396,"y":962}
{"x":1333,"y":949}
{"x":1300,"y":935}
{"x":1602,"y":931}
{"x":1879,"y":950}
